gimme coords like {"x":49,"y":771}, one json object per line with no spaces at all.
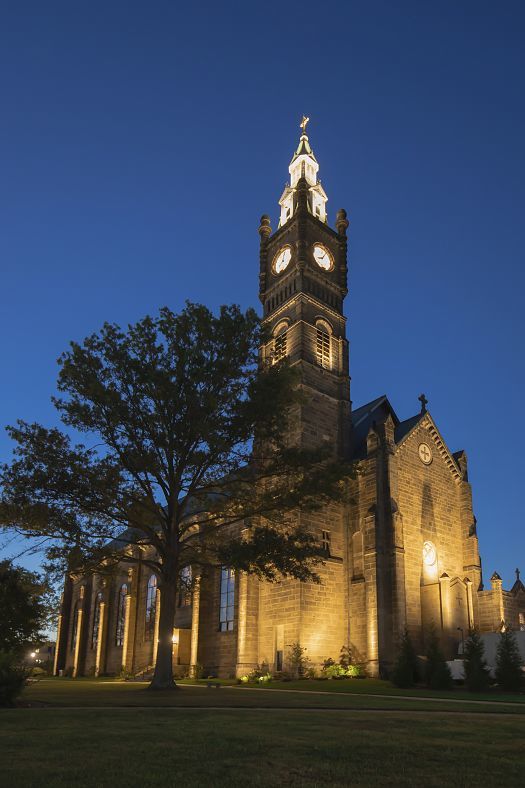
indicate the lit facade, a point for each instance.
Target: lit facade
{"x":402,"y":555}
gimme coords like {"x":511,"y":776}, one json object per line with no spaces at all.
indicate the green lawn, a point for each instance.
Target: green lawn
{"x":378,"y":687}
{"x":335,"y":694}
{"x":98,"y":733}
{"x":172,"y":747}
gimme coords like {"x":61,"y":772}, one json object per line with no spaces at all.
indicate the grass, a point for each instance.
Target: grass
{"x":99,"y":733}
{"x":378,"y":687}
{"x":165,"y":747}
{"x":109,"y":693}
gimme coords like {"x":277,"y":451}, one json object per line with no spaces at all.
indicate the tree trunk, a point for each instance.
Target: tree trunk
{"x":163,"y":675}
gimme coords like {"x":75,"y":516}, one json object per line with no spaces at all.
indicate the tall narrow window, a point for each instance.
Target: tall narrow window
{"x":96,"y":621}
{"x":323,"y":347}
{"x":151,"y":607}
{"x":325,"y":542}
{"x":227,"y":608}
{"x":280,"y":346}
{"x":185,"y":587}
{"x":74,"y":631}
{"x":121,"y":615}
{"x":521,"y":620}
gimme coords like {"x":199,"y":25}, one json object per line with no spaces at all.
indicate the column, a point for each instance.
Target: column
{"x":78,"y":643}
{"x":58,"y":649}
{"x":156,"y":629}
{"x":101,"y":641}
{"x":194,"y":649}
{"x":63,"y":627}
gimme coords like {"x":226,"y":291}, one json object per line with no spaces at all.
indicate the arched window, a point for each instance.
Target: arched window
{"x":323,"y":344}
{"x":74,"y":631}
{"x":185,"y":587}
{"x":280,"y":342}
{"x":96,"y":621}
{"x":121,"y":615}
{"x":227,"y":608}
{"x":151,"y":607}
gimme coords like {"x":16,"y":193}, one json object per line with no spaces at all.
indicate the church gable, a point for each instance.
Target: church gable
{"x":432,"y":445}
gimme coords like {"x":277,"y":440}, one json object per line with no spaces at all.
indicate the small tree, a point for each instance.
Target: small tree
{"x":298,"y":661}
{"x":477,"y":674}
{"x":404,"y":673}
{"x":345,"y":657}
{"x":438,"y":675}
{"x":509,"y":673}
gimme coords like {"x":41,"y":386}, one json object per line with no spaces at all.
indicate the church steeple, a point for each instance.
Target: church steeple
{"x":302,"y":286}
{"x":303,"y":164}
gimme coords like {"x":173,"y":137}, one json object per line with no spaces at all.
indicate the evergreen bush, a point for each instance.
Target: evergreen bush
{"x":438,"y":675}
{"x":509,"y":673}
{"x":404,"y":673}
{"x":477,"y":674}
{"x":13,"y":677}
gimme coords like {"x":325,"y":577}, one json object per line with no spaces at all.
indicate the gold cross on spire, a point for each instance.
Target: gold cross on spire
{"x":303,"y":124}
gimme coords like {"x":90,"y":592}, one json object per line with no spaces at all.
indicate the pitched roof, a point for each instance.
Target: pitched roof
{"x":404,"y":427}
{"x":303,"y":149}
{"x":364,"y":417}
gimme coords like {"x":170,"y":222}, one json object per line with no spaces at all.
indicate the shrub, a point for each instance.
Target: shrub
{"x":438,"y":675}
{"x":298,"y":661}
{"x":509,"y":663}
{"x":345,"y":657}
{"x":404,"y":673}
{"x":334,"y":671}
{"x":477,"y":674}
{"x":13,"y":677}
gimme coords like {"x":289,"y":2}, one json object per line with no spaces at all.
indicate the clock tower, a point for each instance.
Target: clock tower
{"x":302,"y":286}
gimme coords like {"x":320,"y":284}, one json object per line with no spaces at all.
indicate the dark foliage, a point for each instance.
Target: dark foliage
{"x":477,"y":674}
{"x":26,"y":604}
{"x":437,"y":672}
{"x":13,"y":676}
{"x":509,"y":673}
{"x":185,"y":438}
{"x":404,"y":673}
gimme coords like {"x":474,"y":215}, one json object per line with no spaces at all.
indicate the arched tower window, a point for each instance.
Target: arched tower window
{"x":96,"y":621}
{"x":121,"y":615}
{"x":323,"y":344}
{"x":151,"y":607}
{"x":280,"y":342}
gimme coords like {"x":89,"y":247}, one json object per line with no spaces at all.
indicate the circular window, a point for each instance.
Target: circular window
{"x":425,"y":454}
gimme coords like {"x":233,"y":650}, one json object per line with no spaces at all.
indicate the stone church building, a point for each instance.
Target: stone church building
{"x":402,"y":555}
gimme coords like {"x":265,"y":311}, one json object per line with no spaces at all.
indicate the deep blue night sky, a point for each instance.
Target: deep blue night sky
{"x":140,"y":143}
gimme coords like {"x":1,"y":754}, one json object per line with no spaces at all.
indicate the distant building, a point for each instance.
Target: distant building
{"x":403,"y":555}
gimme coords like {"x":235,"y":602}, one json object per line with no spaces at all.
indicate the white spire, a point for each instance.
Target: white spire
{"x":305,"y":164}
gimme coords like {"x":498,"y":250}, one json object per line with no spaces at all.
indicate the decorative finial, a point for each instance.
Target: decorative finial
{"x":424,"y":403}
{"x":518,"y":575}
{"x":303,"y":124}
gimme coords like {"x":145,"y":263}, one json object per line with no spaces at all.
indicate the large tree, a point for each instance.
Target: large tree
{"x":186,"y":436}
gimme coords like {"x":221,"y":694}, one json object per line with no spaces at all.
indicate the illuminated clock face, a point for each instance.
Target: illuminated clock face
{"x":323,"y":258}
{"x":282,"y":259}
